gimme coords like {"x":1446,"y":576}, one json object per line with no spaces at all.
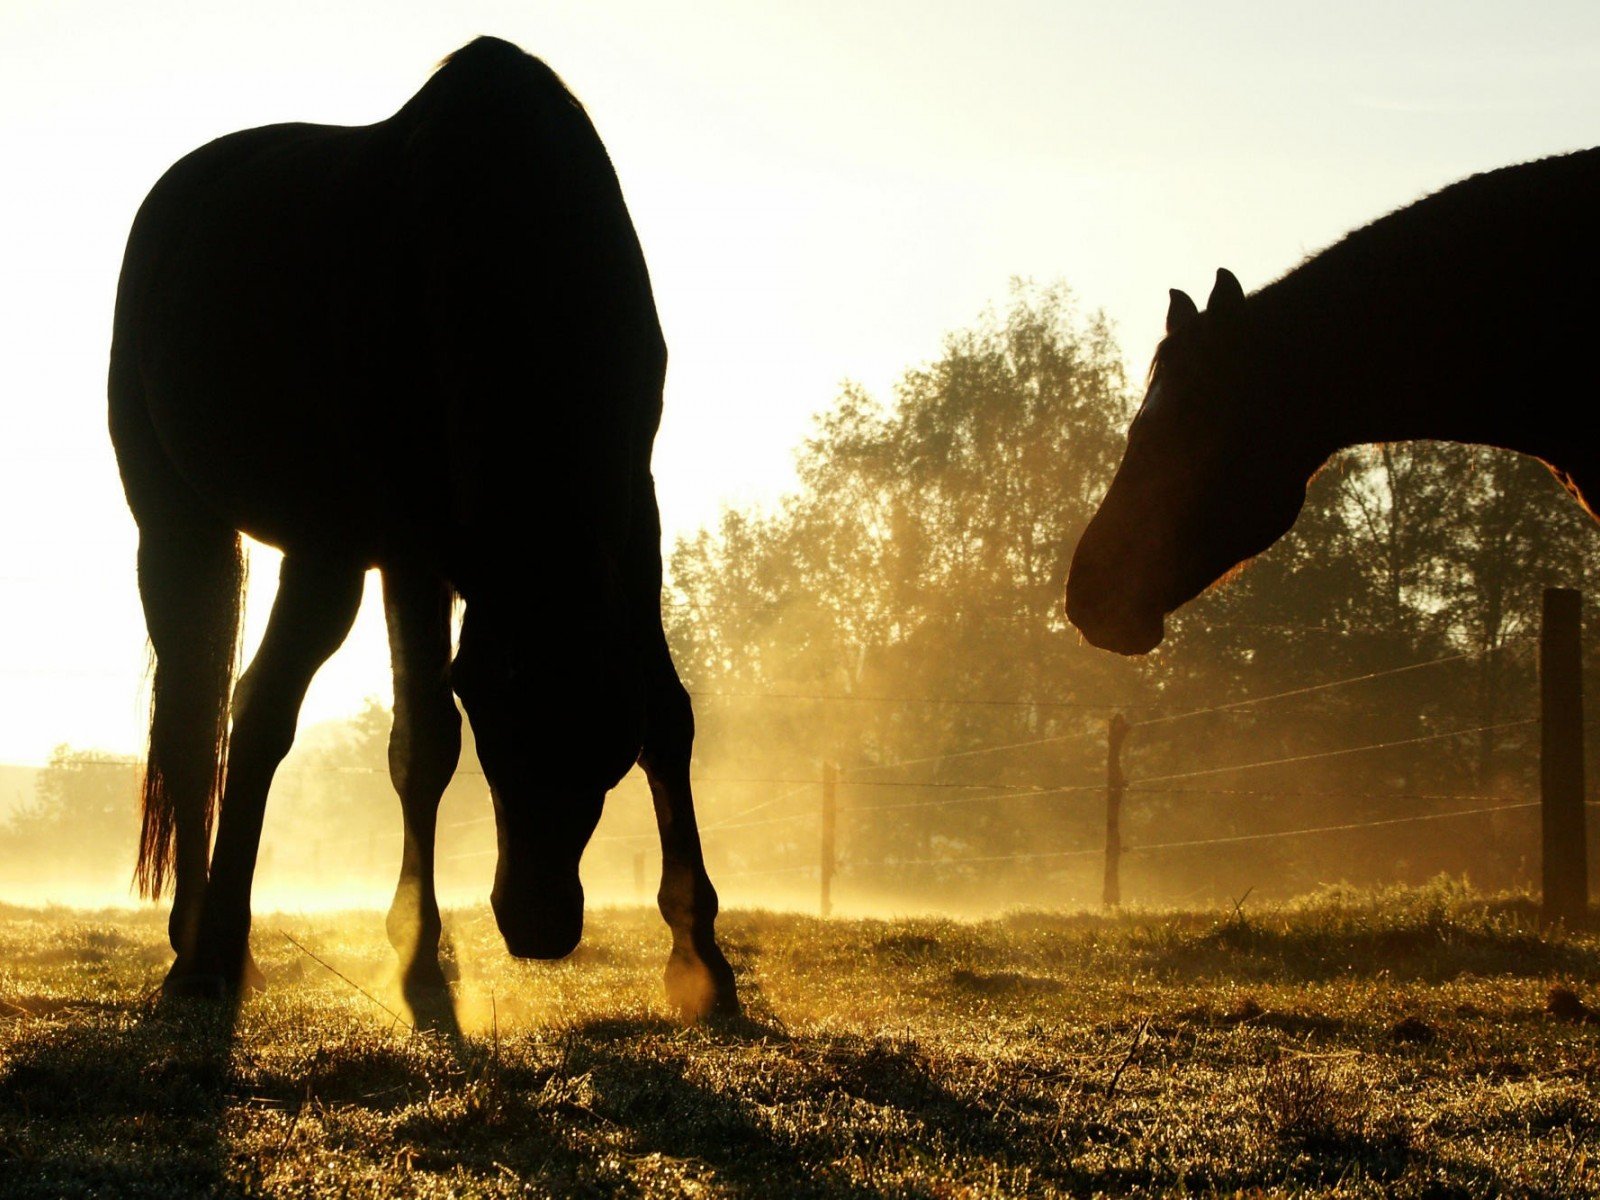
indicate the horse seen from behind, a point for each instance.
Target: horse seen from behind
{"x":1459,"y":318}
{"x":429,"y":346}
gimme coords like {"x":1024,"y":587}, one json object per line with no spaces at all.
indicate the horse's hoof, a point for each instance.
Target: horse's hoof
{"x":194,"y":985}
{"x":442,"y":962}
{"x":206,"y":980}
{"x":426,"y":978}
{"x":702,"y":988}
{"x":251,"y":978}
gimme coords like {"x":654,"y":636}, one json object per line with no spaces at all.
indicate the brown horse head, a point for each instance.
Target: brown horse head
{"x":1207,"y":481}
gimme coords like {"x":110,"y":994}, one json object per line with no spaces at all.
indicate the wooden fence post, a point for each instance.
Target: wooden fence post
{"x":1565,"y":867}
{"x":830,"y":815}
{"x":1116,"y":734}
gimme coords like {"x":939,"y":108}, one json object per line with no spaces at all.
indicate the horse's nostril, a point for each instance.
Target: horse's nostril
{"x":1090,"y":611}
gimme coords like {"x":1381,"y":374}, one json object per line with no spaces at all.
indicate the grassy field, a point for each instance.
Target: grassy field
{"x":1412,"y":1043}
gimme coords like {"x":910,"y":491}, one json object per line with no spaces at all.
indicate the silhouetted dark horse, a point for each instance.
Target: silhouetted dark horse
{"x":1464,"y":317}
{"x":427,"y":345}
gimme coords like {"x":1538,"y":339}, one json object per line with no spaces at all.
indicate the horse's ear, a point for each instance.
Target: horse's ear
{"x":1180,"y":310}
{"x":1226,"y":294}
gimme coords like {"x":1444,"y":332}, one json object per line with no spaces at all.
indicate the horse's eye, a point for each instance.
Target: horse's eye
{"x":1155,"y":398}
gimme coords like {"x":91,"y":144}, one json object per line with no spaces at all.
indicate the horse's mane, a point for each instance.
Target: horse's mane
{"x":1418,"y":258}
{"x":1155,"y":361}
{"x":1452,"y":229}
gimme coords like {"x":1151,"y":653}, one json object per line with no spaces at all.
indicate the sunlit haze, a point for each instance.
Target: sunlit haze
{"x":1072,"y":699}
{"x":822,"y":190}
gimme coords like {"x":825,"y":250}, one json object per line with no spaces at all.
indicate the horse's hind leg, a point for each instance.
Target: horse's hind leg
{"x":423,"y":749}
{"x":191,"y":575}
{"x":314,"y":609}
{"x":189,"y":582}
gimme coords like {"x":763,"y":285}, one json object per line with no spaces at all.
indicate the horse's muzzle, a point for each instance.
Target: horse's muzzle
{"x":1110,"y":626}
{"x":540,"y":921}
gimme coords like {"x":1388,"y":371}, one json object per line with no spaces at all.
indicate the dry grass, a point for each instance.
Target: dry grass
{"x":1402,"y":1044}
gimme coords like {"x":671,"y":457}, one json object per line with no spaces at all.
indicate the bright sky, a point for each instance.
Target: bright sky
{"x":822,"y":189}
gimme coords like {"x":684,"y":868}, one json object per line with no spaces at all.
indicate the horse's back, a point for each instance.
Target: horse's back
{"x":336,"y":331}
{"x":546,"y":345}
{"x":257,"y":327}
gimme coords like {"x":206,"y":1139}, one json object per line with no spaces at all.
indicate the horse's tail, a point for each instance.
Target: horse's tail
{"x":193,"y":592}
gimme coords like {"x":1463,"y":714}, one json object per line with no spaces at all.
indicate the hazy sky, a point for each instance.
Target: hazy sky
{"x":822,"y":189}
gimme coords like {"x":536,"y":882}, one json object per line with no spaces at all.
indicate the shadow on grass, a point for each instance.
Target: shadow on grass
{"x":632,"y":1105}
{"x":612,"y":1106}
{"x":769,"y":1114}
{"x":145,"y":1102}
{"x":119,"y":1103}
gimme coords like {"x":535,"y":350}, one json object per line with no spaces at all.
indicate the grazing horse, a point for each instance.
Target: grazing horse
{"x":1458,"y":318}
{"x":428,"y":346}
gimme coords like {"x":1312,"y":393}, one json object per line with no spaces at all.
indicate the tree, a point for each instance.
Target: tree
{"x":79,"y":832}
{"x":922,"y":559}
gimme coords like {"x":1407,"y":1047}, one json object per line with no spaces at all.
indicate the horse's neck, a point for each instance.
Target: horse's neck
{"x":1350,"y":368}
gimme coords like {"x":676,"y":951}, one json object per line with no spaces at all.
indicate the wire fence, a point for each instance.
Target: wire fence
{"x":1188,"y":785}
{"x":792,"y":806}
{"x":1470,"y":804}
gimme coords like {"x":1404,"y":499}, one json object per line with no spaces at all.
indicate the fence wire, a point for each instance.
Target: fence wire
{"x":990,"y":793}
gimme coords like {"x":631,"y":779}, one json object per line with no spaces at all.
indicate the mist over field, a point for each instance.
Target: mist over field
{"x":1358,"y":706}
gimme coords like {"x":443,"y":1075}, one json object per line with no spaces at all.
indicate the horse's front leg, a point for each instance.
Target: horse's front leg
{"x":313,"y":611}
{"x":699,"y":980}
{"x":424,"y":747}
